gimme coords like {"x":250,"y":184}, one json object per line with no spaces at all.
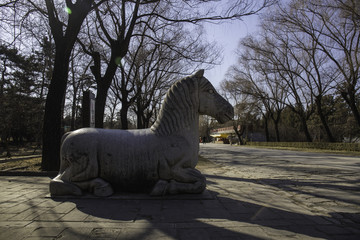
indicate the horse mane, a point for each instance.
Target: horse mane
{"x":179,"y":108}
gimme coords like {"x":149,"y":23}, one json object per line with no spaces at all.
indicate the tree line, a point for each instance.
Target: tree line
{"x":128,"y":52}
{"x":298,"y":77}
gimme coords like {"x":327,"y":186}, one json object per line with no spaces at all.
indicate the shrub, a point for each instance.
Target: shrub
{"x":352,"y":147}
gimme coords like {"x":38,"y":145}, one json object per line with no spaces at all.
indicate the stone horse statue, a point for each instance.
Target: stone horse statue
{"x":160,"y":160}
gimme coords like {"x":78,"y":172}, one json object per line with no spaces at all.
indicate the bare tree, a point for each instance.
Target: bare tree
{"x":65,"y":26}
{"x":65,"y":38}
{"x":64,"y":19}
{"x":112,"y":105}
{"x":151,"y":66}
{"x":276,"y":52}
{"x":313,"y":70}
{"x":334,"y":27}
{"x":254,"y":76}
{"x":80,"y":80}
{"x":312,"y":48}
{"x":246,"y":104}
{"x":117,"y":31}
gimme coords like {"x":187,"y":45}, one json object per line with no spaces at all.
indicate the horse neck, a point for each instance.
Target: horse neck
{"x":173,"y":121}
{"x":191,"y":134}
{"x":179,"y":112}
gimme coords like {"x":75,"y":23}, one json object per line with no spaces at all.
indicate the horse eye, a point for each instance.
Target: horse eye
{"x":211,"y":91}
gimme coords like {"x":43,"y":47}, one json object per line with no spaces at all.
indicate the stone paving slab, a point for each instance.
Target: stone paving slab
{"x":254,"y":194}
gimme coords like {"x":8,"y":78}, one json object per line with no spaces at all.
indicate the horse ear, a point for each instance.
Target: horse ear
{"x":199,"y":74}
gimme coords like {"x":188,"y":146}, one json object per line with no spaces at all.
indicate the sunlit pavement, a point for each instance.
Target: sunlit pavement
{"x":252,"y":194}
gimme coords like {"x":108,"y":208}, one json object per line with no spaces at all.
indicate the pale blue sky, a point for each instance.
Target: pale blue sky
{"x":228,"y":35}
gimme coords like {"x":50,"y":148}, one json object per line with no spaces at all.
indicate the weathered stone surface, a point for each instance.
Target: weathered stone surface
{"x":160,"y":160}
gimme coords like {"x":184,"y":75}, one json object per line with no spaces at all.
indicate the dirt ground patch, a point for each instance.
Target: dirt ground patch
{"x":29,"y":164}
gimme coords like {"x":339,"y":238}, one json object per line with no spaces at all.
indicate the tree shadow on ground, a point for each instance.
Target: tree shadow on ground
{"x":220,"y":218}
{"x":297,"y":186}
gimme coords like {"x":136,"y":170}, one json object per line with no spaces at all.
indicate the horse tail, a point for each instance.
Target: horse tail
{"x":64,"y":136}
{"x":63,"y":163}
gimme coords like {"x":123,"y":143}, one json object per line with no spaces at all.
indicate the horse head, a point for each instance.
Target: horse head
{"x":211,"y":103}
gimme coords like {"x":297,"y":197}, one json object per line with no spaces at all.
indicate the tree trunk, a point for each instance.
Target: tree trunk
{"x":2,"y":83}
{"x":277,"y":132}
{"x":123,"y":116}
{"x":6,"y":141}
{"x":266,"y":122}
{"x":140,"y":119}
{"x":147,"y":118}
{"x":349,"y":98}
{"x":53,"y":112}
{"x":305,"y":129}
{"x":100,"y":102}
{"x":64,"y":42}
{"x":239,"y":134}
{"x":323,"y":120}
{"x":73,"y":110}
{"x":104,"y":83}
{"x":276,"y":119}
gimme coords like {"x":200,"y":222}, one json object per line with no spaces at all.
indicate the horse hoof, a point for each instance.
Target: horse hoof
{"x":60,"y":188}
{"x":159,"y":188}
{"x":103,"y":191}
{"x":101,"y":188}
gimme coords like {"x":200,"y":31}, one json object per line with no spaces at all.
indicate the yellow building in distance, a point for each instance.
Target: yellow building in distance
{"x":224,"y":135}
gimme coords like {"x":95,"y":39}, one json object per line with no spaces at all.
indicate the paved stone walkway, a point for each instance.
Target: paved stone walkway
{"x":252,"y":194}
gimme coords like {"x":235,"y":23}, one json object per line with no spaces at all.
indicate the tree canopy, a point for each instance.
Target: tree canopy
{"x":303,"y":65}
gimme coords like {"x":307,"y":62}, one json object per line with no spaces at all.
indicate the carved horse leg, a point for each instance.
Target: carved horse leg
{"x":97,"y":186}
{"x":59,"y":187}
{"x":186,"y":180}
{"x":79,"y":171}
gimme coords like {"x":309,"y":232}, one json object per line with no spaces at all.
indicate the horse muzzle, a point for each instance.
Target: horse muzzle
{"x":225,"y":115}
